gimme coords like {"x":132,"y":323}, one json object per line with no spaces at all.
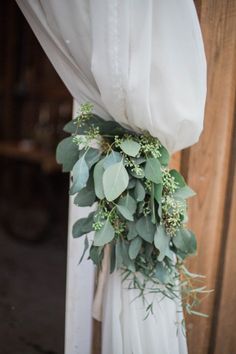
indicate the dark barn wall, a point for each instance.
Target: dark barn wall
{"x":34,"y":105}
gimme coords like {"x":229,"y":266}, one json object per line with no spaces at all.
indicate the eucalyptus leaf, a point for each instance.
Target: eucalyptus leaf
{"x":132,"y":183}
{"x":132,"y":233}
{"x":70,"y":127}
{"x":138,"y":160}
{"x":125,"y":212}
{"x":178,"y":178}
{"x":80,"y":174}
{"x":153,"y":170}
{"x":134,"y":247}
{"x":148,"y":250}
{"x":162,"y":273}
{"x":185,"y":241}
{"x":96,"y":254}
{"x":115,"y":181}
{"x":83,"y":226}
{"x":127,"y":262}
{"x":158,"y":192}
{"x":118,"y":253}
{"x":141,"y":175}
{"x":86,"y":196}
{"x":112,"y":257}
{"x":153,"y":206}
{"x":86,"y":246}
{"x":92,"y":156}
{"x":129,"y":203}
{"x":184,"y":193}
{"x":139,"y":191}
{"x":112,"y":158}
{"x":161,"y":242}
{"x":165,"y":157}
{"x":104,"y":235}
{"x":98,"y":176}
{"x":130,"y":147}
{"x":67,"y":154}
{"x":145,"y":228}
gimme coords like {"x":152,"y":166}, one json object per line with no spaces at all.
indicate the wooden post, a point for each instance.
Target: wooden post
{"x":79,"y":290}
{"x":208,"y":161}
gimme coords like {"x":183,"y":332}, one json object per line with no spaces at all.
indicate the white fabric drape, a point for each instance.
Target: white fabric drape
{"x":142,"y":64}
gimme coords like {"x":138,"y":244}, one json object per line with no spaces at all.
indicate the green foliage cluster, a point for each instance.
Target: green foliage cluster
{"x":141,"y":204}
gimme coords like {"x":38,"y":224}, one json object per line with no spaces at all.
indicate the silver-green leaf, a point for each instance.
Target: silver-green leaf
{"x":185,"y":241}
{"x":153,"y":170}
{"x":104,"y":235}
{"x":139,"y":192}
{"x":112,"y":158}
{"x":129,"y":203}
{"x":161,"y":242}
{"x":115,"y":181}
{"x":80,"y":175}
{"x":125,"y":212}
{"x":97,"y":176}
{"x":130,"y":147}
{"x":67,"y":154}
{"x":134,"y":247}
{"x":145,"y":228}
{"x":83,"y":226}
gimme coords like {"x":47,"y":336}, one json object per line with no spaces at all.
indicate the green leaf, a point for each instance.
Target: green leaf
{"x":113,"y":257}
{"x":80,"y":174}
{"x":153,"y":170}
{"x":158,"y":192}
{"x":96,"y":254}
{"x":162,"y":273}
{"x":86,"y":196}
{"x":184,"y":193}
{"x":112,"y":158}
{"x":134,"y":247}
{"x":132,"y":233}
{"x":148,"y":250}
{"x":92,"y":156}
{"x":178,"y":178}
{"x":104,"y":235}
{"x":115,"y":181}
{"x":132,"y":183}
{"x":146,"y":229}
{"x":127,"y":262}
{"x":153,"y":206}
{"x":98,"y":176}
{"x":139,"y":160}
{"x":83,"y":226}
{"x":185,"y":241}
{"x":118,"y":252}
{"x":165,"y":157}
{"x":139,"y":192}
{"x":67,"y":154}
{"x":125,"y":212}
{"x":129,"y":203}
{"x":86,"y":246}
{"x":70,"y":127}
{"x":161,"y":242}
{"x":130,"y":147}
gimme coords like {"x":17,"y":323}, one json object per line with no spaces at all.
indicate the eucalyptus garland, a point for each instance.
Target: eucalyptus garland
{"x":140,"y":205}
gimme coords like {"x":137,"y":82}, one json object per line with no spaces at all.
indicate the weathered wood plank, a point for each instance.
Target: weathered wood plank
{"x":208,"y":161}
{"x":223,"y":339}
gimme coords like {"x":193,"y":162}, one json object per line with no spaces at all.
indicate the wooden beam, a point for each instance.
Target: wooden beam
{"x":208,"y":161}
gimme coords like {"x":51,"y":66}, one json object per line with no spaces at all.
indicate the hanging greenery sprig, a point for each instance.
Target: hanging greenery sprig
{"x":141,"y":205}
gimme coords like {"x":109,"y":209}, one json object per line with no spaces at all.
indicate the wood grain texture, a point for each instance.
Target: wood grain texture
{"x":223,"y":339}
{"x":208,"y":161}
